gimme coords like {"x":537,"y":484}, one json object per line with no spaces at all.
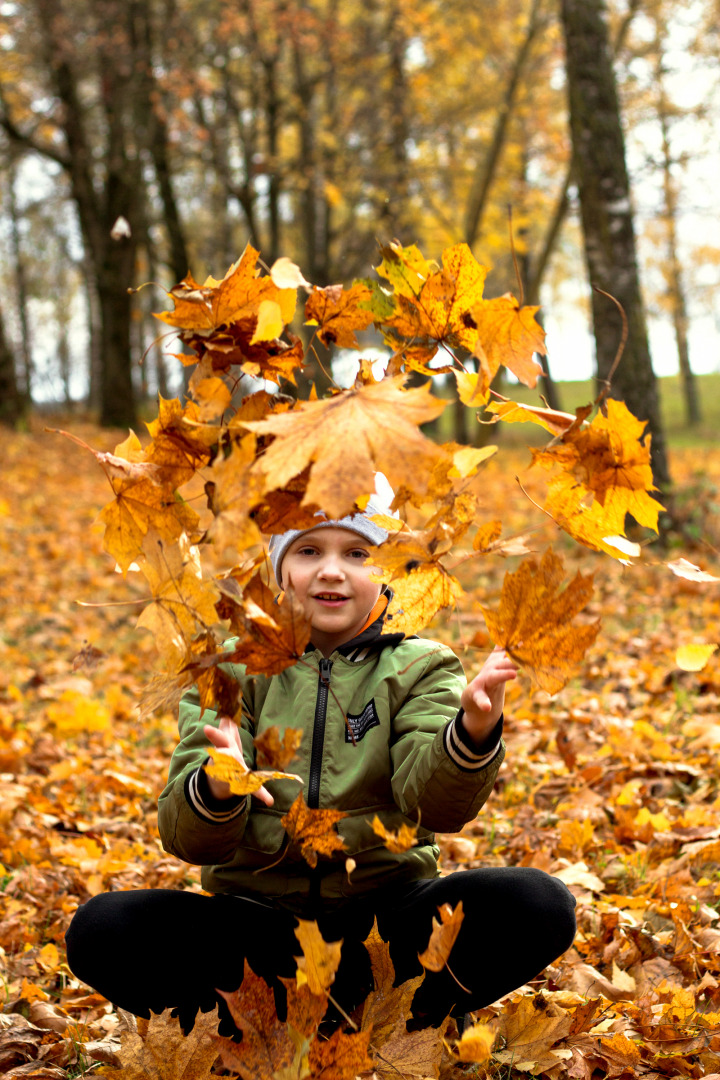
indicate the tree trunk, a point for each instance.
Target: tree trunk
{"x":607,"y":221}
{"x":673,"y":267}
{"x":486,"y":169}
{"x":12,"y":401}
{"x":26,"y":379}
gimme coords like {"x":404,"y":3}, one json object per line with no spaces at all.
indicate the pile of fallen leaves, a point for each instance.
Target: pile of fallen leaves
{"x":612,"y":784}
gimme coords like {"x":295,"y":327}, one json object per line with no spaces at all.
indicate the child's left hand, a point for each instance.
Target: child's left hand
{"x":483,"y":699}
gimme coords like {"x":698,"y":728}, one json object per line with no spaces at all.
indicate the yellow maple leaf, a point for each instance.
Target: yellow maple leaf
{"x":507,"y":334}
{"x":320,"y":959}
{"x":242,"y":781}
{"x":534,"y":624}
{"x":183,"y":602}
{"x":159,"y":1048}
{"x":443,"y":936}
{"x":693,"y":657}
{"x":381,"y":424}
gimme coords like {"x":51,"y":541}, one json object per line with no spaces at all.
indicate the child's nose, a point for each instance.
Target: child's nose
{"x":330,"y":568}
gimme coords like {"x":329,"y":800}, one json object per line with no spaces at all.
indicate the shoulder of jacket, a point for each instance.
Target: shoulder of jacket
{"x":435,"y":653}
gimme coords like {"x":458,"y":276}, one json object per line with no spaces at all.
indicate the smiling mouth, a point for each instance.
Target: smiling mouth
{"x":330,"y":597}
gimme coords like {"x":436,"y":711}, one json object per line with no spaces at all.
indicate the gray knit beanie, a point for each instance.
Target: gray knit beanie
{"x":358,"y":523}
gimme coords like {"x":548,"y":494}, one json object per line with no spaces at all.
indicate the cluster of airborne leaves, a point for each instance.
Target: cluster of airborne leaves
{"x":613,"y":786}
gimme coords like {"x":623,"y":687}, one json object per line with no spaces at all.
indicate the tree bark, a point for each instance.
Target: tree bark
{"x":674,"y":276}
{"x":13,"y":404}
{"x":607,"y":220}
{"x":486,"y":169}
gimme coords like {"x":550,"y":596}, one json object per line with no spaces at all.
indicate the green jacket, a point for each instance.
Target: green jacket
{"x":410,"y":762}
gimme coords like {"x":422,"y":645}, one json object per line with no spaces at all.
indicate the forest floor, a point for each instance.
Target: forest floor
{"x":613,"y":784}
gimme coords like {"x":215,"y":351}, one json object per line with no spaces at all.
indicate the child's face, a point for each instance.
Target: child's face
{"x":326,"y":569}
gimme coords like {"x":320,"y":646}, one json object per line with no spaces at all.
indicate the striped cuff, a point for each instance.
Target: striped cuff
{"x":461,"y":750}
{"x":206,"y":806}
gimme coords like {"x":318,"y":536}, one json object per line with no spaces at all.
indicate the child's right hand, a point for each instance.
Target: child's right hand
{"x":226,"y":738}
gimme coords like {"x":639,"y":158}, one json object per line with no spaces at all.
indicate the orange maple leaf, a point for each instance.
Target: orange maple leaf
{"x":443,"y":937}
{"x":313,"y":830}
{"x":606,"y":474}
{"x":338,"y":313}
{"x":242,"y":781}
{"x":320,"y":959}
{"x":397,"y":841}
{"x":533,"y":622}
{"x":270,"y":636}
{"x":275,"y":751}
{"x":381,"y":423}
{"x":238,"y":295}
{"x":506,"y":334}
{"x":341,"y":1057}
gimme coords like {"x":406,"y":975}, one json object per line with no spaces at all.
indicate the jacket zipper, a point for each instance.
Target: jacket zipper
{"x":316,"y":754}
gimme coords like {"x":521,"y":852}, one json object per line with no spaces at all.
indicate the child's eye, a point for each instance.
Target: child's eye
{"x":359,"y":554}
{"x":306,"y":551}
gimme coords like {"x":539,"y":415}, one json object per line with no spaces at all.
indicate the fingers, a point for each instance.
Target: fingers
{"x":264,"y":796}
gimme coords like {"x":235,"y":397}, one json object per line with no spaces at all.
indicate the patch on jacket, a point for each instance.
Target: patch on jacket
{"x":361,"y":724}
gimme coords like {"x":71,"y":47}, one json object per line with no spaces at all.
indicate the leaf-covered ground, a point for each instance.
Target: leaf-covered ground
{"x":613,"y":785}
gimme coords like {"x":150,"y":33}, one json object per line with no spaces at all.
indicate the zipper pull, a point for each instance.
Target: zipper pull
{"x":325,"y":669}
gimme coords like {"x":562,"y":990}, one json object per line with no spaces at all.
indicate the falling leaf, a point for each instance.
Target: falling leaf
{"x":238,"y":296}
{"x":606,"y":474}
{"x":320,"y":958}
{"x":269,"y":322}
{"x":339,"y":313}
{"x":476,"y":1043}
{"x":534,"y":624}
{"x":313,"y":830}
{"x":443,"y":937}
{"x":341,"y":1057}
{"x":507,"y":334}
{"x":380,"y":422}
{"x":242,"y":781}
{"x":396,"y":841}
{"x":274,"y":750}
{"x":693,"y":657}
{"x":287,"y":275}
{"x":387,"y":1006}
{"x":266,"y":1046}
{"x":512,"y":412}
{"x":684,"y":569}
{"x":271,"y":637}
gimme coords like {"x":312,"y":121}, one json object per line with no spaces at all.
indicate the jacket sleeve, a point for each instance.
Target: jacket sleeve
{"x":193,"y":825}
{"x":439,"y":775}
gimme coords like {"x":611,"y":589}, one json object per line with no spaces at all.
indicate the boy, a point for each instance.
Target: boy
{"x":389,"y":730}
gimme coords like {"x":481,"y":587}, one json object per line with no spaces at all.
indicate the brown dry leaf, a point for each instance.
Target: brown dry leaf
{"x":533,"y":622}
{"x":275,"y":751}
{"x":313,"y":830}
{"x":320,"y":958}
{"x":305,"y":1009}
{"x":242,"y":781}
{"x":530,"y":1027}
{"x":266,"y":1046}
{"x":380,"y":422}
{"x":233,"y":490}
{"x":413,"y":1055}
{"x":338,"y":313}
{"x":476,"y":1043}
{"x":272,"y":636}
{"x":443,"y":937}
{"x":387,"y":1005}
{"x":162,"y":1052}
{"x":397,"y":842}
{"x":341,"y":1057}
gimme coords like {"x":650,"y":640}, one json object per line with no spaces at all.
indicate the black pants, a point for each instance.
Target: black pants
{"x":157,"y":948}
